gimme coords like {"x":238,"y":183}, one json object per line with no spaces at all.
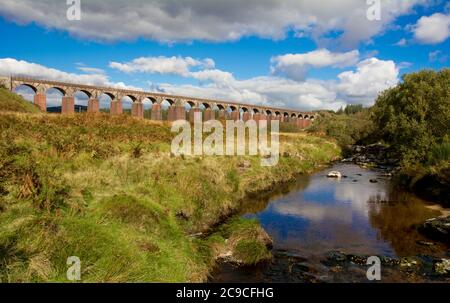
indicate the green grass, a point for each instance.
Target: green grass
{"x":12,"y":102}
{"x":251,"y":252}
{"x":108,"y":190}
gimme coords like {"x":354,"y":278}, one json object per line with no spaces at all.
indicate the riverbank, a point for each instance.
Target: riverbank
{"x":431,"y":182}
{"x":107,"y":190}
{"x":324,"y":229}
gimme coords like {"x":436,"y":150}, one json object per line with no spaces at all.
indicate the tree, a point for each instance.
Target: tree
{"x":414,"y":117}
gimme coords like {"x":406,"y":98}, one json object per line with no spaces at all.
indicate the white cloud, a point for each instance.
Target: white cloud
{"x":295,"y":66}
{"x":433,"y":29}
{"x":214,"y":75}
{"x":163,"y":65}
{"x":13,"y":67}
{"x":91,"y":70}
{"x":437,"y":56}
{"x":354,"y":86}
{"x":212,"y":20}
{"x":370,"y":78}
{"x":401,"y":42}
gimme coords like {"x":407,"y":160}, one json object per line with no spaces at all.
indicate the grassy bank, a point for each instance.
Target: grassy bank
{"x":106,"y":189}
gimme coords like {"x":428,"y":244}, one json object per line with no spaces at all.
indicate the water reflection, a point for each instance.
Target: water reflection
{"x":352,"y":214}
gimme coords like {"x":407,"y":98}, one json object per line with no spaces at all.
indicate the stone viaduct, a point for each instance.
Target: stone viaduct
{"x":176,"y":110}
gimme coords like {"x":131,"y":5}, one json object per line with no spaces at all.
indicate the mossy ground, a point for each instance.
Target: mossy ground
{"x":107,"y":190}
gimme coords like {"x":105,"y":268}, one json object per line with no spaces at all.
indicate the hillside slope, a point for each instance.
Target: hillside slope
{"x":107,"y":190}
{"x":10,"y":102}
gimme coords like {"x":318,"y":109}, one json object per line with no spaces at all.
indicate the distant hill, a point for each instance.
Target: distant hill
{"x":57,"y":109}
{"x":15,"y":103}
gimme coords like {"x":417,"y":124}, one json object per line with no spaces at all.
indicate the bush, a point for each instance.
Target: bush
{"x":414,"y":117}
{"x":346,"y":129}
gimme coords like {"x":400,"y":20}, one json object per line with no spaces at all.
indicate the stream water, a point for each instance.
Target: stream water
{"x":362,"y":213}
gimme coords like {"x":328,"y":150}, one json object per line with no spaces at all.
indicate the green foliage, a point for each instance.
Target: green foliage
{"x":414,"y":117}
{"x":347,"y":129}
{"x":440,"y":152}
{"x":107,"y":190}
{"x":350,"y":109}
{"x":251,"y":252}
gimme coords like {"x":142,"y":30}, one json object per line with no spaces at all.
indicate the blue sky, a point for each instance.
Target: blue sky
{"x":296,"y":54}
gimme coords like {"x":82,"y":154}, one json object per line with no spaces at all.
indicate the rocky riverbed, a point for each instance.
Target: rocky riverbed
{"x":324,"y":229}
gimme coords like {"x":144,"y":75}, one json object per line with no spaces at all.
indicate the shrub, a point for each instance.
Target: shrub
{"x":414,"y":117}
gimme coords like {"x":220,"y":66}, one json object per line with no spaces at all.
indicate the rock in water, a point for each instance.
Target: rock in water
{"x":442,"y":267}
{"x":438,"y":228}
{"x":334,"y":174}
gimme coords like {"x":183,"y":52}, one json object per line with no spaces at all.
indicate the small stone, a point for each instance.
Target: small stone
{"x":442,"y":267}
{"x":244,"y":165}
{"x":334,"y":174}
{"x":373,"y":181}
{"x":425,"y":243}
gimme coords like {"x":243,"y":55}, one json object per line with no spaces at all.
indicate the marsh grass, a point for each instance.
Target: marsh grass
{"x":108,"y":190}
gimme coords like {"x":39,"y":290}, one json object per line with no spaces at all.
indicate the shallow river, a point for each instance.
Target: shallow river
{"x":318,"y":215}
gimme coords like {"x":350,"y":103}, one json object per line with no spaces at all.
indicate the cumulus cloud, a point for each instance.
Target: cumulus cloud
{"x":371,"y":77}
{"x":360,"y":85}
{"x":212,"y":20}
{"x":433,"y":29}
{"x":163,"y":65}
{"x":295,"y":66}
{"x":266,"y":90}
{"x":13,"y":67}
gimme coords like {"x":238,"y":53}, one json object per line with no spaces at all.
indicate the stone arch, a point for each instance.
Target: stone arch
{"x":109,"y":94}
{"x":148,"y":103}
{"x":125,"y":104}
{"x":132,"y":97}
{"x":153,"y":100}
{"x":27,"y":91}
{"x":218,"y":110}
{"x":61,"y":90}
{"x":170,"y":101}
{"x":233,"y":108}
{"x":245,"y":114}
{"x":165,"y":104}
{"x":27,"y":85}
{"x":233,"y":112}
{"x":255,"y":111}
{"x":293,"y":115}
{"x":268,"y":112}
{"x":105,"y":100}
{"x":54,"y":99}
{"x":207,"y":105}
{"x":300,"y":116}
{"x":81,"y":100}
{"x":190,"y":105}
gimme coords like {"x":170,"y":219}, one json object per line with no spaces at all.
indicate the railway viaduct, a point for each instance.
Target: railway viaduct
{"x":176,"y":110}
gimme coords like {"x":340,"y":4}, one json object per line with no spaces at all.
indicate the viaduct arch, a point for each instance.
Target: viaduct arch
{"x":176,"y":110}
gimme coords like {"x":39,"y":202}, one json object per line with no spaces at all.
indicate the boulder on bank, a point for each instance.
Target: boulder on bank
{"x":437,"y":228}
